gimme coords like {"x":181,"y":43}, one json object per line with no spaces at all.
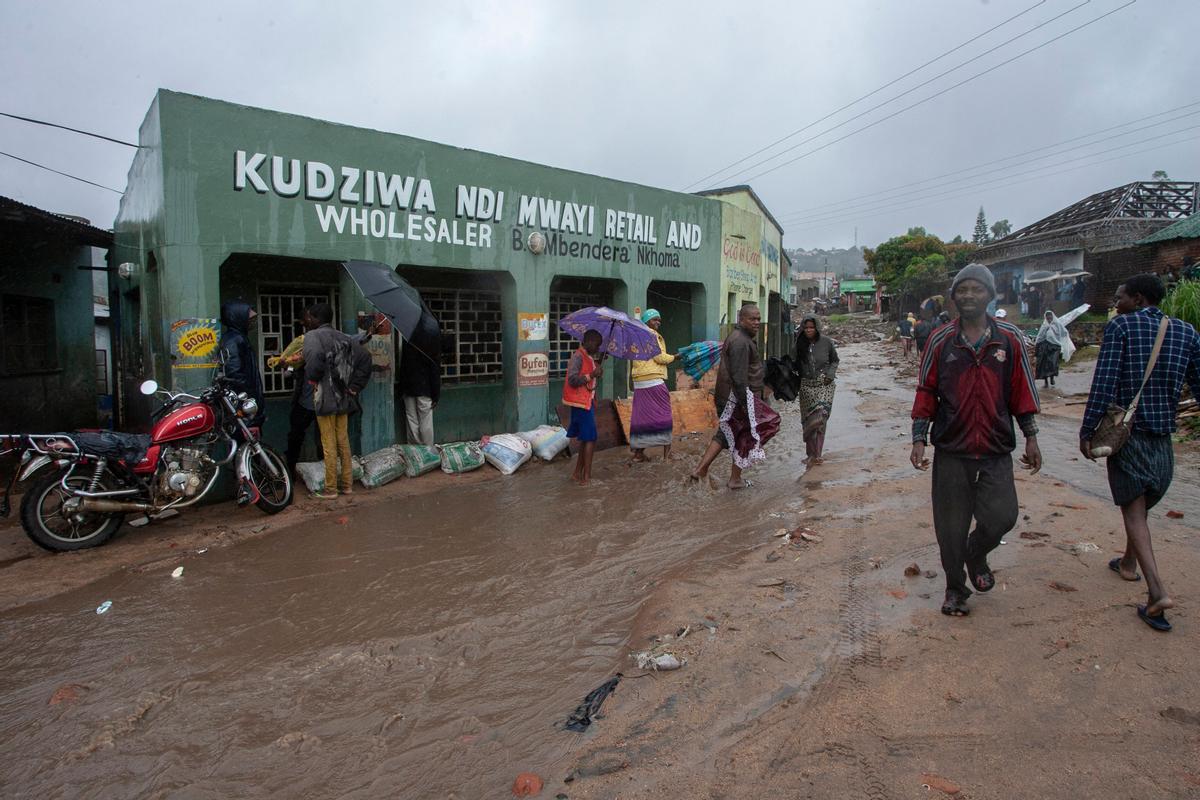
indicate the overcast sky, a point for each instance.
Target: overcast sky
{"x":658,"y":93}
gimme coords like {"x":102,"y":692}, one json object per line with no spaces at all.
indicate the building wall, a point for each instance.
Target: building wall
{"x":62,"y":397}
{"x":208,"y":187}
{"x":1113,"y":267}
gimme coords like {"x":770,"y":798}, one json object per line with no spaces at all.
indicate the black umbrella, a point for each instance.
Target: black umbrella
{"x":389,"y":293}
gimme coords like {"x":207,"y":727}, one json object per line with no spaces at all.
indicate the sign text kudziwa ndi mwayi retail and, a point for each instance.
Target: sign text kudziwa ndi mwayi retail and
{"x":384,"y":205}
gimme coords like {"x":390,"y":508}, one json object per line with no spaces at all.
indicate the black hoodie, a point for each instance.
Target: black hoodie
{"x":241,"y":362}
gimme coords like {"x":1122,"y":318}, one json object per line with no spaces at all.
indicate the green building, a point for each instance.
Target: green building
{"x":48,"y":354}
{"x":226,"y":201}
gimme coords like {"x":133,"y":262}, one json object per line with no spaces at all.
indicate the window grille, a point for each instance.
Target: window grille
{"x":101,"y":372}
{"x":279,"y":313}
{"x":28,"y":335}
{"x":562,"y":345}
{"x":472,"y":325}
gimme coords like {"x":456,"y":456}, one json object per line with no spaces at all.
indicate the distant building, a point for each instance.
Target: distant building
{"x":48,"y":354}
{"x":1093,"y":241}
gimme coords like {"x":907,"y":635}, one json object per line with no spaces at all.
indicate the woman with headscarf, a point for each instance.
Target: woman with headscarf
{"x":1052,"y":341}
{"x":817,"y":358}
{"x":650,"y":424}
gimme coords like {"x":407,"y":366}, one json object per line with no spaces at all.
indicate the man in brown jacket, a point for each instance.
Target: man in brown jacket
{"x":740,"y":369}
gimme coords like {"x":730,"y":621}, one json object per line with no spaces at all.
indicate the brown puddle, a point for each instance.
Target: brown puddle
{"x":430,"y":648}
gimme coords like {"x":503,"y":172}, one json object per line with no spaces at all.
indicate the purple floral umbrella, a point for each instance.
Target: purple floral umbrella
{"x":623,"y":336}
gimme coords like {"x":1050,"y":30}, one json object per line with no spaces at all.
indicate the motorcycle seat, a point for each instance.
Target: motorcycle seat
{"x":129,"y":447}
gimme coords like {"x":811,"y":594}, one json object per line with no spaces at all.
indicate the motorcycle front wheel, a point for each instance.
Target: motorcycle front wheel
{"x":51,"y":526}
{"x":274,"y":491}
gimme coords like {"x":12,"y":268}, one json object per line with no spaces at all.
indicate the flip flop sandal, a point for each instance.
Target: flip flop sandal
{"x":1158,"y":621}
{"x":1115,"y":566}
{"x":982,"y":579}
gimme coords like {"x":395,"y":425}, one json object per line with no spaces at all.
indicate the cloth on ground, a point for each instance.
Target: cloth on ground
{"x":581,"y":717}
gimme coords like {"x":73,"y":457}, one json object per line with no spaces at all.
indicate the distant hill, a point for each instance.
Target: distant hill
{"x":843,"y":263}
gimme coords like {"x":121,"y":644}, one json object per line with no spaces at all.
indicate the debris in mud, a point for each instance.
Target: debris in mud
{"x":930,"y":573}
{"x":663,"y":662}
{"x":781,"y":532}
{"x":912,"y":570}
{"x":343,"y":520}
{"x":773,"y":653}
{"x":1174,"y":515}
{"x":1034,"y":535}
{"x":769,"y":582}
{"x":1079,"y":548}
{"x":807,"y":535}
{"x":581,"y":717}
{"x":67,"y":693}
{"x":527,"y":784}
{"x":177,"y":572}
{"x":876,"y":562}
{"x":899,"y":594}
{"x":104,"y":607}
{"x":931,"y":781}
{"x":1062,"y":587}
{"x":773,"y":556}
{"x":1180,"y":715}
{"x":1070,"y":505}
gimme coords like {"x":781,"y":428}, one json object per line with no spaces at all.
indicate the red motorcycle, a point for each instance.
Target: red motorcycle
{"x":98,"y":477}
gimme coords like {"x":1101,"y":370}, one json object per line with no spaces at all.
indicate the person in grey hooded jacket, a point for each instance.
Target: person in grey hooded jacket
{"x":338,"y":369}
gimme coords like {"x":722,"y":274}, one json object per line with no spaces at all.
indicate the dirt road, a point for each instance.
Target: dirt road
{"x":429,"y":641}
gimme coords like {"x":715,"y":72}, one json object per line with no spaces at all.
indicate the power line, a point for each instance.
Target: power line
{"x":67,"y":128}
{"x":876,"y":194}
{"x":57,"y":172}
{"x":937,"y":94}
{"x":864,"y":97}
{"x":960,"y":193}
{"x":836,"y":214}
{"x":912,"y":89}
{"x":870,"y":204}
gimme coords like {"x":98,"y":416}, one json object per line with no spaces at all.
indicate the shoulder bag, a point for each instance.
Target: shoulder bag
{"x":1113,"y":430}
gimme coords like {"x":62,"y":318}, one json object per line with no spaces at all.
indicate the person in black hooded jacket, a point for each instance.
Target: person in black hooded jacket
{"x":242,"y":370}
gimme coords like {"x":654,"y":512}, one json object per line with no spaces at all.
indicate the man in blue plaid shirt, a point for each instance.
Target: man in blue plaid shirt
{"x":1140,"y":472}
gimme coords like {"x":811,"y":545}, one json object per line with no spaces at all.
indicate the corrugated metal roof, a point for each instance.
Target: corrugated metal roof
{"x":15,"y":211}
{"x":1184,"y":229}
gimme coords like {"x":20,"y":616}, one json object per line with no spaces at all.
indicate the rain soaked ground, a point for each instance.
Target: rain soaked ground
{"x":432,"y":646}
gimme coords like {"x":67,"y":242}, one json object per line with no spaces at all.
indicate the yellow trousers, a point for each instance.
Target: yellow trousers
{"x":335,"y":443}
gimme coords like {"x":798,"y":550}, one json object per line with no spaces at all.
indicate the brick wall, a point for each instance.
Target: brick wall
{"x":1113,"y":267}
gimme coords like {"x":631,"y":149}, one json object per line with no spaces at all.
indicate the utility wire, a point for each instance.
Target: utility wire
{"x":972,"y":191}
{"x":870,"y":204}
{"x":864,"y":97}
{"x":67,"y":128}
{"x":920,"y":85}
{"x":885,"y":207}
{"x":57,"y":172}
{"x":936,"y":94}
{"x":876,"y":195}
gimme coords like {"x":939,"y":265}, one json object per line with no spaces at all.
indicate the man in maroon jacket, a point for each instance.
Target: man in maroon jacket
{"x":974,"y":379}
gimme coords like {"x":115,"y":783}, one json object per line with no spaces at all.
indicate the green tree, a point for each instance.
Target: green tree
{"x":981,"y":228}
{"x":1001,"y":228}
{"x":889,"y":262}
{"x":959,"y":253}
{"x":1160,"y":175}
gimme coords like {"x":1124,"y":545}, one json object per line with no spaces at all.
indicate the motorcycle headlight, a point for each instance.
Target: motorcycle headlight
{"x":249,"y":407}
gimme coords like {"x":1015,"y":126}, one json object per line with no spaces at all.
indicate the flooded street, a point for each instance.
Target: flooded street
{"x":432,"y":646}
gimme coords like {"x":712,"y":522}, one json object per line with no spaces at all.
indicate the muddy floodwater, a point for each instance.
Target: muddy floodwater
{"x":428,"y":648}
{"x":432,"y":646}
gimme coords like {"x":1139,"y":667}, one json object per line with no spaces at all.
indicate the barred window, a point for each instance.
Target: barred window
{"x":279,"y":321}
{"x":562,"y":345}
{"x":471,"y":324}
{"x":28,"y":335}
{"x":102,"y":372}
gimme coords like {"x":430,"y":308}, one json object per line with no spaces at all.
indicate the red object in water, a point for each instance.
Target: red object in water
{"x":1175,"y":514}
{"x":527,"y":784}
